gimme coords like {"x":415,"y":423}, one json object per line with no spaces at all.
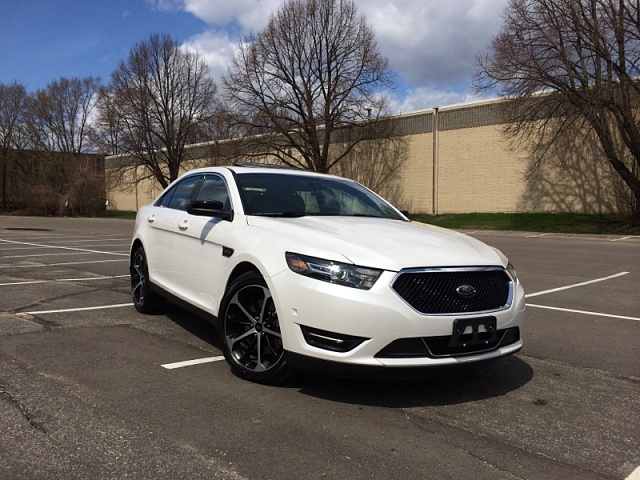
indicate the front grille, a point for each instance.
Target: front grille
{"x":439,"y":292}
{"x":437,"y":347}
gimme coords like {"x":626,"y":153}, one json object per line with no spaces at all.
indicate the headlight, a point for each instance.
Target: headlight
{"x":333,"y":272}
{"x":512,"y":271}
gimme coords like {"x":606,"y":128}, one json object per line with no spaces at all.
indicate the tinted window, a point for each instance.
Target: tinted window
{"x":277,"y":194}
{"x":166,"y":197}
{"x":214,"y":188}
{"x":182,"y":193}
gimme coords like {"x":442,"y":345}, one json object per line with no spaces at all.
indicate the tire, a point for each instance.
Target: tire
{"x":252,"y":342}
{"x":144,"y":298}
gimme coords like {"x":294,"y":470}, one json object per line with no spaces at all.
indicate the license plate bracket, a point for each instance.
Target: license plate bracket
{"x":473,"y":331}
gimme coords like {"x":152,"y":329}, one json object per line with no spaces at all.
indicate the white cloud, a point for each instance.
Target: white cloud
{"x":423,"y":98}
{"x":431,"y":44}
{"x":248,"y":15}
{"x":228,"y":20}
{"x":216,"y":49}
{"x":165,"y":5}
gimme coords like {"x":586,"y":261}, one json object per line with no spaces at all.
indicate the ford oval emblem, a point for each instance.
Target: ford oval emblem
{"x":466,"y":291}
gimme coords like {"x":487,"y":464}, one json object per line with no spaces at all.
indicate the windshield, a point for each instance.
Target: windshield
{"x":290,"y":195}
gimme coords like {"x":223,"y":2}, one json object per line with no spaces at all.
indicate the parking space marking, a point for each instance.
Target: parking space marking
{"x":559,"y":289}
{"x":62,"y":264}
{"x":81,"y":309}
{"x":62,"y":248}
{"x":83,"y":279}
{"x":188,"y":363}
{"x":584,"y":312}
{"x":635,"y":475}
{"x":47,"y":255}
{"x":54,"y":238}
{"x":92,"y":241}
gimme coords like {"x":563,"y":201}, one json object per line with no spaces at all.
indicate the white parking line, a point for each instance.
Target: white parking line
{"x":46,"y":255}
{"x":596,"y":280}
{"x":90,"y":241}
{"x":584,"y":312}
{"x":188,"y":363}
{"x":62,"y":264}
{"x":54,"y":237}
{"x":61,"y":247}
{"x":84,"y":279}
{"x":13,"y":249}
{"x":82,"y":309}
{"x":635,"y":475}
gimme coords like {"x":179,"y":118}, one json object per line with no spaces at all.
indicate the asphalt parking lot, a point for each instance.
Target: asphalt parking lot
{"x":89,"y":388}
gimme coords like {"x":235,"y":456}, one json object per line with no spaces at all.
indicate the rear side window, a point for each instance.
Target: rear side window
{"x":178,"y":197}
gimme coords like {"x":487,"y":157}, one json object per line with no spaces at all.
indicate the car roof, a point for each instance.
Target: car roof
{"x":257,"y":168}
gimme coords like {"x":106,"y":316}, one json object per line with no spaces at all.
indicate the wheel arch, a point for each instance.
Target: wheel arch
{"x":137,"y":243}
{"x":241,"y":269}
{"x":134,"y":246}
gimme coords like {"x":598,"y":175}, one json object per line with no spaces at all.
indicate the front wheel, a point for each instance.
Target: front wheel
{"x":252,"y":341}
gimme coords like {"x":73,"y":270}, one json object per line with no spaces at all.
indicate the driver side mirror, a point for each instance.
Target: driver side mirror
{"x":209,"y":208}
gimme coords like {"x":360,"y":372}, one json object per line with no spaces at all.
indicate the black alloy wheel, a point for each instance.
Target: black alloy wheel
{"x":144,"y":298}
{"x":252,"y":339}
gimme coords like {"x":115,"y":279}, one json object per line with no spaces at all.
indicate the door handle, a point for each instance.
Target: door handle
{"x":151,"y":218}
{"x":183,"y":225}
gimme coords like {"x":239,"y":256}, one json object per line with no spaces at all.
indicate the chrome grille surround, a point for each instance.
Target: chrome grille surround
{"x":432,"y":291}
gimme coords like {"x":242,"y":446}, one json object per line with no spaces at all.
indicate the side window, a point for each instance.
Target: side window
{"x":166,"y":198}
{"x":214,"y":188}
{"x":183,"y":192}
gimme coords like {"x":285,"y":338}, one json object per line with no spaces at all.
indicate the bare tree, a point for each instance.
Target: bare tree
{"x":56,"y":175}
{"x":571,"y":69}
{"x":377,"y":164}
{"x":13,"y":104}
{"x":59,"y":114}
{"x":305,"y":89}
{"x":159,"y":100}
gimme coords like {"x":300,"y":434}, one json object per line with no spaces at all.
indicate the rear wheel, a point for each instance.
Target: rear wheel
{"x":252,"y":340}
{"x":144,"y":298}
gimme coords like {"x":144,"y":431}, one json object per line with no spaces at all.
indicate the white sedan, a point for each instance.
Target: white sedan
{"x":305,"y":271}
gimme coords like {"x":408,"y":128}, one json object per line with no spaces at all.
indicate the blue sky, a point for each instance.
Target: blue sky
{"x":430,"y":43}
{"x":42,"y":40}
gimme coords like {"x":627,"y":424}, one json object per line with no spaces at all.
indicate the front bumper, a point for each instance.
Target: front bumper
{"x":379,"y":317}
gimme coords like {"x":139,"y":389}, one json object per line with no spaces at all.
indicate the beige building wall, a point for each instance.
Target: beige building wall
{"x":476,"y":172}
{"x":466,"y":166}
{"x":126,"y":194}
{"x":416,"y":178}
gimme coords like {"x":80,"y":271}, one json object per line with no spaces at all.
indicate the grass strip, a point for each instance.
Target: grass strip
{"x":532,"y":222}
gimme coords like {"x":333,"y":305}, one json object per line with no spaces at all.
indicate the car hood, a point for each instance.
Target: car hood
{"x":379,"y":243}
